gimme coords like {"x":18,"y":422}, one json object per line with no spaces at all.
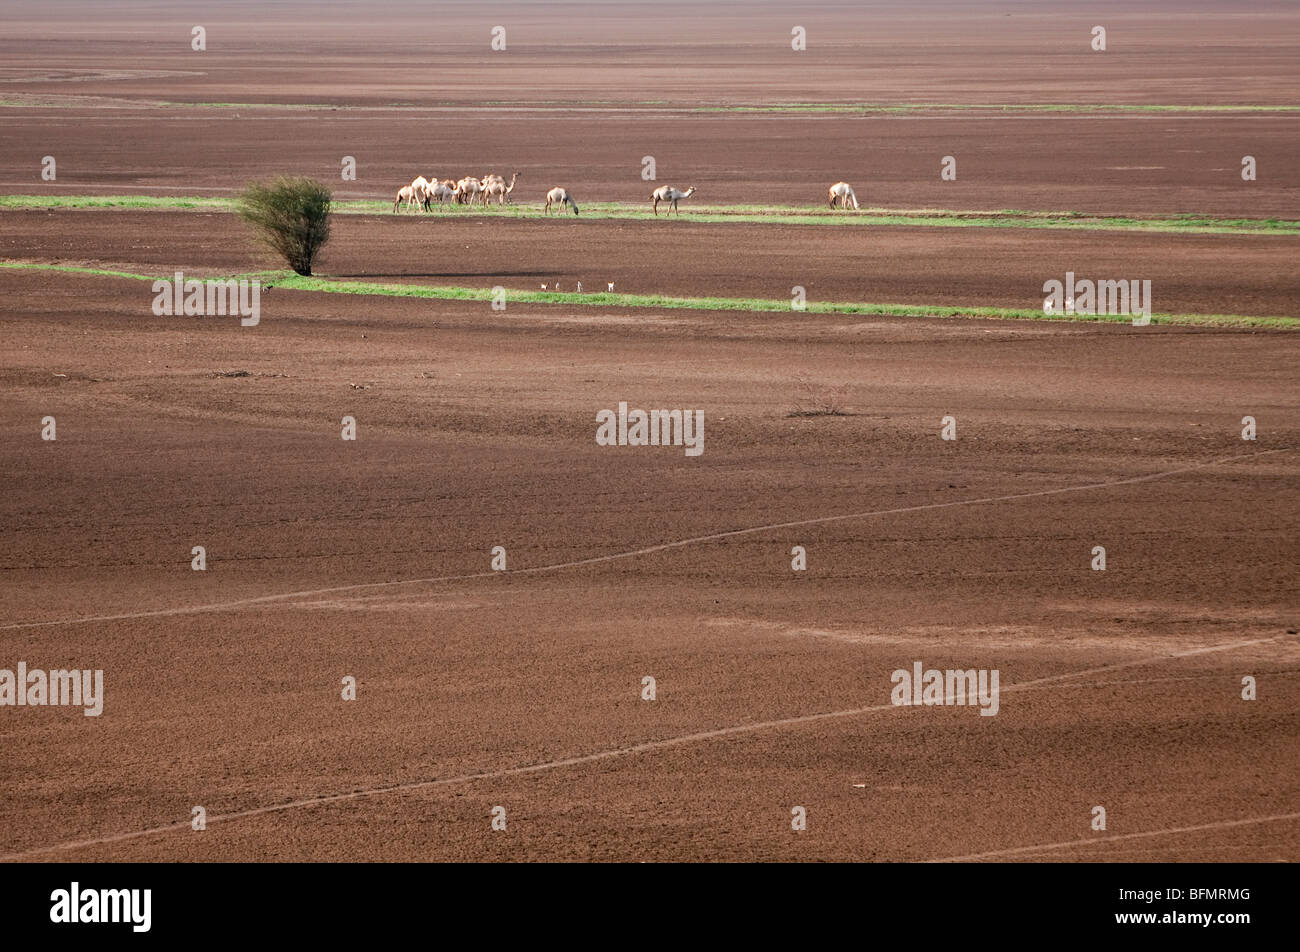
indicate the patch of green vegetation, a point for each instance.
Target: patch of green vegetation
{"x":75,"y":269}
{"x":117,"y":201}
{"x":886,"y":108}
{"x":249,"y":105}
{"x":289,"y":280}
{"x":727,"y":214}
{"x":635,"y":105}
{"x":609,"y":299}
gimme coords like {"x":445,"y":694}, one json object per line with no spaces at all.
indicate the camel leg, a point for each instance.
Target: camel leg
{"x":656,"y":208}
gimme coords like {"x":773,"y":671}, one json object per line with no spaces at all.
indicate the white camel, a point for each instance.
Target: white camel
{"x":842,"y":192}
{"x":561,"y":197}
{"x":666,"y":193}
{"x":421,"y":186}
{"x":444,"y":190}
{"x":498,"y":188}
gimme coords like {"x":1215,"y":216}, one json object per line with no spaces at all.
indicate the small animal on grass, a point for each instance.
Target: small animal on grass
{"x":442,"y":190}
{"x":560,"y":197}
{"x":420,"y":186}
{"x":668,"y":194}
{"x":468,"y":189}
{"x":405,"y":194}
{"x":496,"y":187}
{"x":842,"y":193}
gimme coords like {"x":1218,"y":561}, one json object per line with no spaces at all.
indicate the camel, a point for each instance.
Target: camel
{"x":444,"y":190}
{"x":666,"y":193}
{"x":421,"y":187}
{"x":497,"y":187}
{"x":561,"y":197}
{"x":467,"y":188}
{"x":842,"y":192}
{"x":405,"y":194}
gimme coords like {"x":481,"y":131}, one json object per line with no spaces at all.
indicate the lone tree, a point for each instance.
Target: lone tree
{"x":291,"y":215}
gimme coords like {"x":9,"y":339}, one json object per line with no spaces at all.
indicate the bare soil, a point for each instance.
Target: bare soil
{"x":371,"y":559}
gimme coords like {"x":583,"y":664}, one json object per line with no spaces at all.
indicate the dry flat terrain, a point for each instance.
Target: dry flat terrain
{"x":371,"y":558}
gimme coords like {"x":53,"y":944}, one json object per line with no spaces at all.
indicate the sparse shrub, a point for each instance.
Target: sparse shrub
{"x":290,"y":215}
{"x":816,"y":399}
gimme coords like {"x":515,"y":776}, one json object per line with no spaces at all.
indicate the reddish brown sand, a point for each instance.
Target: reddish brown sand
{"x":476,"y":429}
{"x":578,"y":99}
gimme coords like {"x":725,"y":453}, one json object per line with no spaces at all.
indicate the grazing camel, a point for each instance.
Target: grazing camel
{"x":405,"y":194}
{"x":561,"y":197}
{"x":443,"y":190}
{"x":497,"y":187}
{"x":666,"y":193}
{"x":842,"y":192}
{"x":467,"y":188}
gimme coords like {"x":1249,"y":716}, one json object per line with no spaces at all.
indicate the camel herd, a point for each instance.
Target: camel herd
{"x":424,"y":192}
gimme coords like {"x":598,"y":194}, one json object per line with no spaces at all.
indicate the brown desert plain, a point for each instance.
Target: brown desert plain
{"x":371,"y":559}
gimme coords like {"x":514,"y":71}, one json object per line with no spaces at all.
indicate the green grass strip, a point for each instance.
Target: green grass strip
{"x":118,"y":201}
{"x":724,"y":214}
{"x":888,"y":108}
{"x":291,"y":281}
{"x":47,"y":101}
{"x":73,"y":269}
